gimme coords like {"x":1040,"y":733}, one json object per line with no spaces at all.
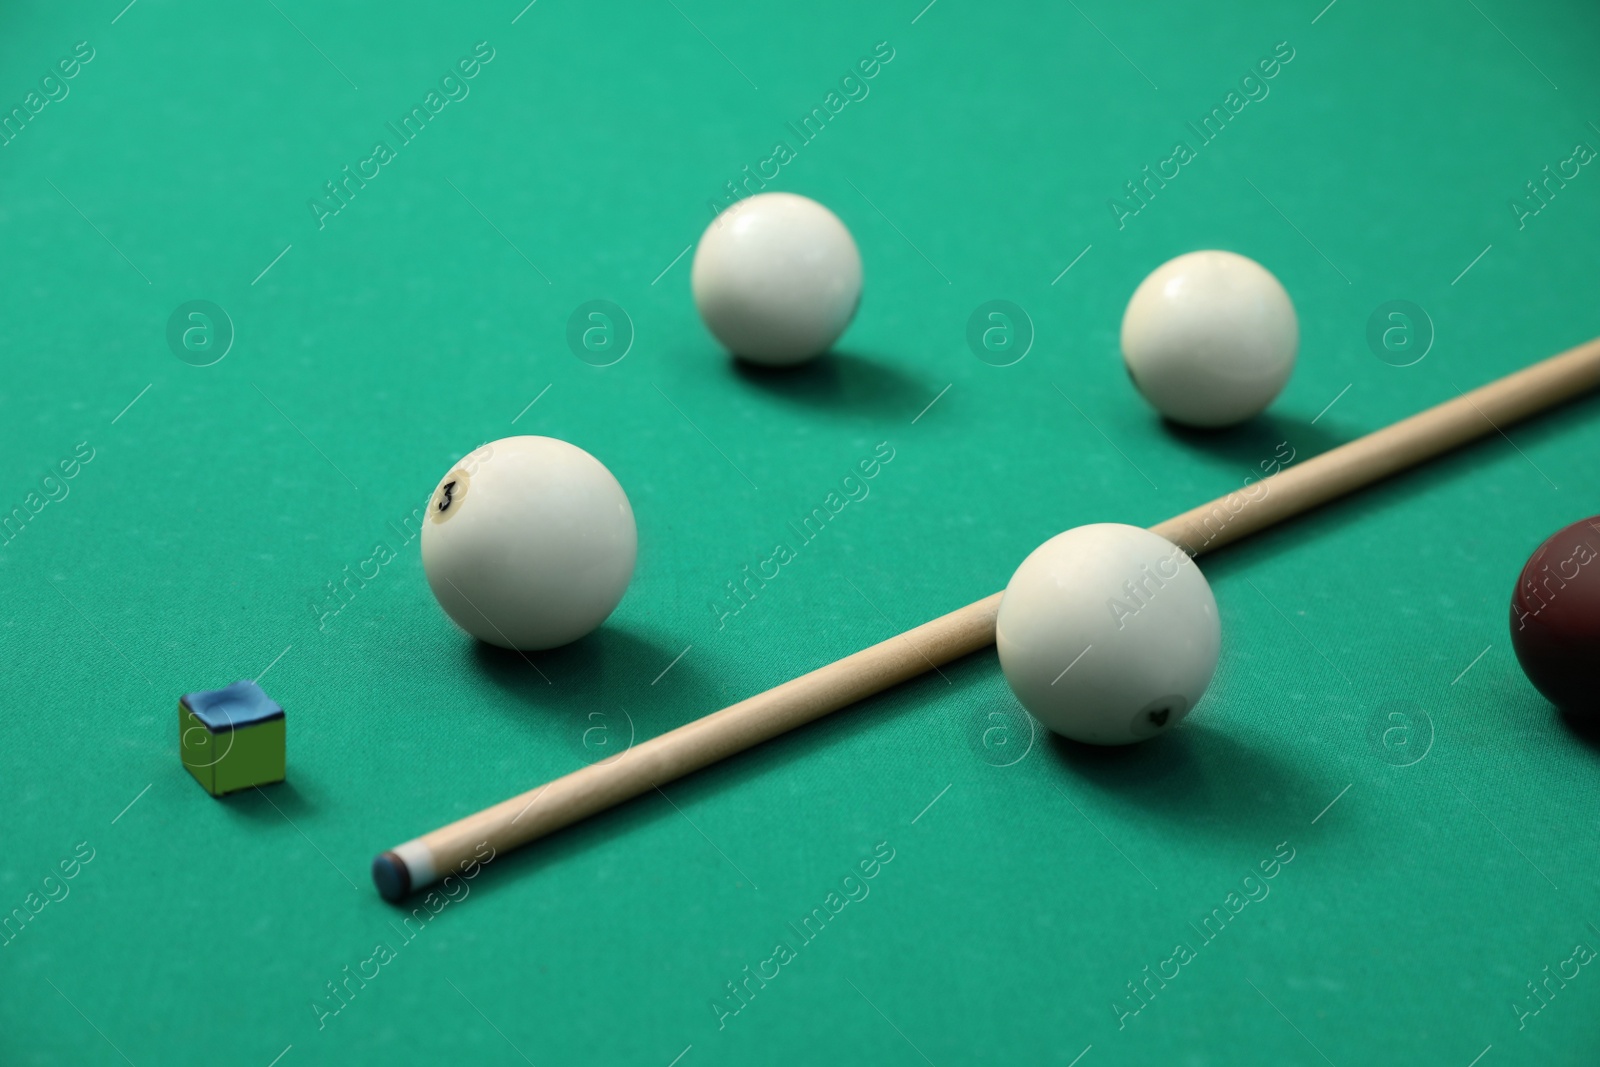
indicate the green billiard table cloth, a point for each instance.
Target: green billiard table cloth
{"x":272,"y":268}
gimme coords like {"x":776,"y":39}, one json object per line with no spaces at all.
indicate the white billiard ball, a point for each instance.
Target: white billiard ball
{"x":1108,"y":634}
{"x":776,"y":278}
{"x":529,"y":543}
{"x":1210,"y":338}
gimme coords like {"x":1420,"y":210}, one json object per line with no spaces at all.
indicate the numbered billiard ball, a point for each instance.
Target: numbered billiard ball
{"x":529,"y":543}
{"x":1555,"y":619}
{"x":776,"y":278}
{"x":1108,"y":634}
{"x":1209,"y":338}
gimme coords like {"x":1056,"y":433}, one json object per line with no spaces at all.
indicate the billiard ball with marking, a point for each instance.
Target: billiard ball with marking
{"x":1209,"y":338}
{"x":529,"y":543}
{"x":1108,"y":634}
{"x":776,"y":278}
{"x":1555,"y":619}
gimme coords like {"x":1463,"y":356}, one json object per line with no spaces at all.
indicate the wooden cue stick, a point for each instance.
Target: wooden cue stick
{"x":697,"y":744}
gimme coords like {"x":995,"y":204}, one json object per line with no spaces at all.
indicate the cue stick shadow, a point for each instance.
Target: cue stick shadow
{"x":1198,"y":777}
{"x":808,"y":746}
{"x":1325,"y":523}
{"x":839,"y":382}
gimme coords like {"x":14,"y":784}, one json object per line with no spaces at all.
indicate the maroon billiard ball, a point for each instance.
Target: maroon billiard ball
{"x":1555,"y":619}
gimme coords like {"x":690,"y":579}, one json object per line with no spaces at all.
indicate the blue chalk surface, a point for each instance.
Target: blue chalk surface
{"x":238,"y":705}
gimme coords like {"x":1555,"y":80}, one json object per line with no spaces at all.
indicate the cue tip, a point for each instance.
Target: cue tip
{"x":392,"y":877}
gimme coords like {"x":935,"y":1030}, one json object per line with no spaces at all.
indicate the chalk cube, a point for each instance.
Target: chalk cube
{"x":231,"y":738}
